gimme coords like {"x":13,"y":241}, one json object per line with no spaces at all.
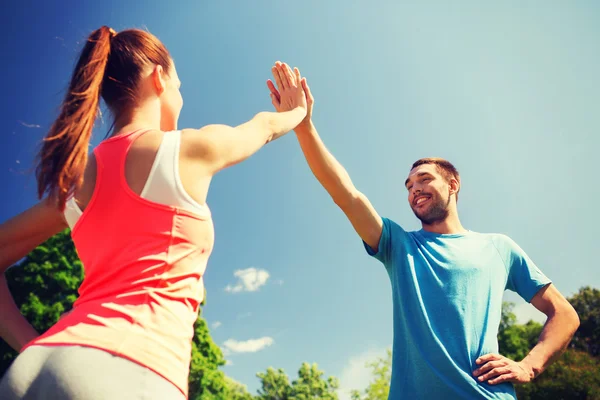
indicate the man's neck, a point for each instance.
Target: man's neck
{"x":450,"y":225}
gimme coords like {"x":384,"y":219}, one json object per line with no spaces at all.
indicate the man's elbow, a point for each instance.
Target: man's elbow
{"x":570,"y":318}
{"x":574,"y":318}
{"x":345,"y":198}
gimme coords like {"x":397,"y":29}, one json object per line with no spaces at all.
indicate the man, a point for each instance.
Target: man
{"x":447,"y":282}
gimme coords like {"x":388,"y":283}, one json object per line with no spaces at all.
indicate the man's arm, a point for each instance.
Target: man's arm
{"x":335,"y":179}
{"x":328,"y":171}
{"x":558,"y":331}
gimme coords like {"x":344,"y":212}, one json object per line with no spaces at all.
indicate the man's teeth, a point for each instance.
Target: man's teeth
{"x":422,"y":199}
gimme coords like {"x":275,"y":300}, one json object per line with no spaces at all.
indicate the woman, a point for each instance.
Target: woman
{"x":138,"y":219}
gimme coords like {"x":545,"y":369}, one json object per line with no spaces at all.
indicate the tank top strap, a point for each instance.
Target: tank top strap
{"x":111,"y":155}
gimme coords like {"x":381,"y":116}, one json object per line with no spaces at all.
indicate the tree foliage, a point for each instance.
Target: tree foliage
{"x":310,"y":385}
{"x":44,"y":286}
{"x":206,"y":381}
{"x":237,"y":391}
{"x":575,"y":375}
{"x":587,"y":304}
{"x":275,"y":385}
{"x":514,"y":340}
{"x":379,"y":387}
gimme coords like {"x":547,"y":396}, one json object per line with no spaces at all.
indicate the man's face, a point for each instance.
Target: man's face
{"x":428,"y":193}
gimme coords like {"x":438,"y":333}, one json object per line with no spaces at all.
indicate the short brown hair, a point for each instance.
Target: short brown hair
{"x":445,"y":167}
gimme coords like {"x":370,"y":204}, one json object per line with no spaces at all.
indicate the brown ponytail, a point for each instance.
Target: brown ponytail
{"x":63,"y":156}
{"x":110,"y":66}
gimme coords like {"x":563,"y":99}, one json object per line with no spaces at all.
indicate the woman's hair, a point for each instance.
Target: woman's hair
{"x":110,"y":66}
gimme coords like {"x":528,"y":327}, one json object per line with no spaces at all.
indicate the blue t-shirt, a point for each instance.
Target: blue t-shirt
{"x":447,"y":292}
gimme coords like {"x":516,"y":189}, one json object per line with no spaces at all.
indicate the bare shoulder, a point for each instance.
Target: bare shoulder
{"x":199,"y":143}
{"x":210,"y":147}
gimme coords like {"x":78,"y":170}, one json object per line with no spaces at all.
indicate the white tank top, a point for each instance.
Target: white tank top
{"x":163,"y":185}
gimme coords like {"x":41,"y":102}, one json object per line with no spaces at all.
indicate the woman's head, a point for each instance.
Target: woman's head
{"x":140,"y":67}
{"x":126,"y":69}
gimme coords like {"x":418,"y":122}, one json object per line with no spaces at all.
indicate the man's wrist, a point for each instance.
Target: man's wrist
{"x":529,"y":368}
{"x":304,"y":128}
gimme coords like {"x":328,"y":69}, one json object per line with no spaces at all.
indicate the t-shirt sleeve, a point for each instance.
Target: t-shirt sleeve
{"x":390,"y":232}
{"x":524,"y":277}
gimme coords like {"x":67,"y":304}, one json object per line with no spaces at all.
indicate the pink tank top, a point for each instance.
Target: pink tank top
{"x":143,"y":266}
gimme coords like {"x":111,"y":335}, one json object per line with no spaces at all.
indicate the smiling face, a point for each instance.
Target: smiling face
{"x":430,"y":193}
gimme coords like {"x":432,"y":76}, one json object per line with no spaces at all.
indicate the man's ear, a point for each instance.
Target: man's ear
{"x":454,"y":186}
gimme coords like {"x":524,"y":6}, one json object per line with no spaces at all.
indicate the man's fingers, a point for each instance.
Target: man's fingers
{"x":307,"y":90}
{"x":488,"y":366}
{"x":503,"y":378}
{"x":494,"y":373}
{"x":297,"y":76}
{"x":488,"y":357}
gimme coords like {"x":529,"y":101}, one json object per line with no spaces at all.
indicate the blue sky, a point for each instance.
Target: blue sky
{"x":508,"y":92}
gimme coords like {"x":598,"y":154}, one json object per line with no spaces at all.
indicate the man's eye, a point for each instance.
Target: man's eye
{"x":408,"y":188}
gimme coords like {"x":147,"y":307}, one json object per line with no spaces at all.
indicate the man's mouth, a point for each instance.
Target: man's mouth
{"x":421,"y":200}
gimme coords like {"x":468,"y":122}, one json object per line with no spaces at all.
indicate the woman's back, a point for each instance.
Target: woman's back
{"x":143,"y":260}
{"x":141,"y":163}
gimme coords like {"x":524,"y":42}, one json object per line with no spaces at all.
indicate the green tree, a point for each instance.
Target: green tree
{"x":44,"y":286}
{"x":310,"y":385}
{"x":514,"y":340}
{"x":379,"y":387}
{"x":587,"y":304}
{"x":575,"y":375}
{"x":275,"y":385}
{"x":206,"y":380}
{"x":237,"y":391}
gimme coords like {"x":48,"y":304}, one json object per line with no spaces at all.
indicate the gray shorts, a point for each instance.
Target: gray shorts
{"x":81,"y":373}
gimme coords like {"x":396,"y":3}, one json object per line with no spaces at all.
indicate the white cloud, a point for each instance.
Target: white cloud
{"x":245,"y":315}
{"x":216,"y":324}
{"x":26,"y":125}
{"x":355,"y":375}
{"x":247,"y":346}
{"x":248,"y":280}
